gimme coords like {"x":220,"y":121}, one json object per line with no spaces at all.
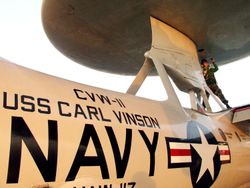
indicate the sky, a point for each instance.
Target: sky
{"x":24,"y":42}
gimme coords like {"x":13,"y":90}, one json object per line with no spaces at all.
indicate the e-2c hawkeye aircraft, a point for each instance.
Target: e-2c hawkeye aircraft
{"x":58,"y":133}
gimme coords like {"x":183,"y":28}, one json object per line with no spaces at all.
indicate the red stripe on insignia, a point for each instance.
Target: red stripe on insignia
{"x":224,"y":152}
{"x":180,"y":152}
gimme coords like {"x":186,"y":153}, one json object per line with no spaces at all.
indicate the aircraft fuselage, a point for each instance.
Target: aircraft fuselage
{"x":59,"y":133}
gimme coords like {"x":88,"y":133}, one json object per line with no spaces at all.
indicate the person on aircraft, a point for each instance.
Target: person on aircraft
{"x":208,"y":73}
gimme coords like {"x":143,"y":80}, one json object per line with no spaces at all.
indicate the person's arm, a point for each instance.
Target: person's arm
{"x":215,"y":66}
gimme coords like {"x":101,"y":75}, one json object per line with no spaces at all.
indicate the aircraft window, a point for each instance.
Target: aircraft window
{"x":152,"y":88}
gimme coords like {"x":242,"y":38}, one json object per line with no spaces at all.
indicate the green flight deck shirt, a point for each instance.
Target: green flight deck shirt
{"x":208,"y":72}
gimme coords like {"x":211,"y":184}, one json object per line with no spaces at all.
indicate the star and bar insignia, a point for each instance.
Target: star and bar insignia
{"x":201,"y":152}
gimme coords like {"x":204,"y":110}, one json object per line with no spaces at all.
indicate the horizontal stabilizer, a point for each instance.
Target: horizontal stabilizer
{"x":241,"y":114}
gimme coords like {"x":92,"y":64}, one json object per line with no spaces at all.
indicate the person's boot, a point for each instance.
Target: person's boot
{"x":226,"y":103}
{"x":228,"y":107}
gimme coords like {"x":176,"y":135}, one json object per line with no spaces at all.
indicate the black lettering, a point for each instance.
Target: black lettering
{"x":102,"y":116}
{"x":132,"y":184}
{"x":43,"y":103}
{"x":121,"y":163}
{"x":60,"y":104}
{"x":131,"y":119}
{"x":140,"y":122}
{"x":237,"y":135}
{"x":122,"y":104}
{"x":103,"y":99}
{"x":118,"y":116}
{"x":155,"y":122}
{"x":92,"y":111}
{"x":21,"y":132}
{"x":106,"y":186}
{"x":79,"y":111}
{"x":222,"y":134}
{"x":89,"y":132}
{"x":77,"y":92}
{"x":91,"y":96}
{"x":26,"y":100}
{"x":124,"y":115}
{"x":151,"y":149}
{"x":147,"y":121}
{"x":5,"y":102}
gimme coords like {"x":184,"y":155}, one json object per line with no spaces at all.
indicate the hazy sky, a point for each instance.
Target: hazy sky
{"x":23,"y":41}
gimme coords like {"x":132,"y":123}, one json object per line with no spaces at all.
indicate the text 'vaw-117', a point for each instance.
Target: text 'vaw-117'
{"x":58,"y":133}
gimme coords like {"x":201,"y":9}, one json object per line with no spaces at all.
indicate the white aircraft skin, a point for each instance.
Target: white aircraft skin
{"x":58,"y":133}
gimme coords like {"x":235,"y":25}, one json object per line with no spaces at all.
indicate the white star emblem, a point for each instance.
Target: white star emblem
{"x":201,"y":152}
{"x":206,"y":152}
